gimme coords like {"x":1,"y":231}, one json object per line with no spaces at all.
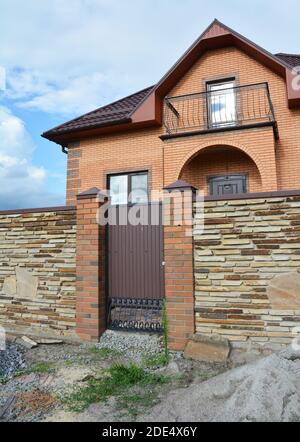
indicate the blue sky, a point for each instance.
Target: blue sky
{"x":63,"y":58}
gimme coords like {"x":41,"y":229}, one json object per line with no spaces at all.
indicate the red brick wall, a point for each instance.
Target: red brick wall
{"x":179,"y":272}
{"x":90,"y":290}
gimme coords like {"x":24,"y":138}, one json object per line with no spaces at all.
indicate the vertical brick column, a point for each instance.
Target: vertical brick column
{"x":179,"y":264}
{"x":90,"y":273}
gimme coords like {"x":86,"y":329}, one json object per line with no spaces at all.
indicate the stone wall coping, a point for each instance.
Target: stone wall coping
{"x":180,"y":185}
{"x":91,"y":193}
{"x":254,"y":195}
{"x":38,"y":210}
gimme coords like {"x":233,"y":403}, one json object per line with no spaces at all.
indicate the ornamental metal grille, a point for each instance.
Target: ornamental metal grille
{"x":135,"y":314}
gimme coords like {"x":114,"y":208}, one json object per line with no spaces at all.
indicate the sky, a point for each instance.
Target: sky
{"x":62,"y":58}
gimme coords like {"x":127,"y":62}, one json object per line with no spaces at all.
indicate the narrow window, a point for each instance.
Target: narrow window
{"x":221,"y":103}
{"x":129,"y":188}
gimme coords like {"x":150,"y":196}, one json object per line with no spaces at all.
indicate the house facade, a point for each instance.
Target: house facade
{"x":226,"y":120}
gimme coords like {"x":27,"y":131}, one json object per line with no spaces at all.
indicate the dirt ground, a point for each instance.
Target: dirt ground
{"x":60,"y":382}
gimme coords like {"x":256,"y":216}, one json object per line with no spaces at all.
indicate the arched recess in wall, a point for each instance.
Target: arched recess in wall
{"x":221,"y":159}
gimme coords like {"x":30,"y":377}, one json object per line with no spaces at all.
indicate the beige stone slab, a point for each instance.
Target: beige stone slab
{"x":207,"y":348}
{"x":284,"y":291}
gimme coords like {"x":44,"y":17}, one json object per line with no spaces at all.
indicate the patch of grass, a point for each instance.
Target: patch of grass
{"x":104,"y":352}
{"x":37,"y":368}
{"x":135,"y":403}
{"x":118,"y":379}
{"x":69,"y":363}
{"x":165,"y":330}
{"x":41,"y":368}
{"x":157,"y":360}
{"x":3,"y":380}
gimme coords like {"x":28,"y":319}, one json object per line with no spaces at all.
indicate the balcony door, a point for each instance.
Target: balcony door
{"x":221,"y":104}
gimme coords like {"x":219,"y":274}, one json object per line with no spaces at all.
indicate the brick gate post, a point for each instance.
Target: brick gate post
{"x":179,"y":262}
{"x":90,"y":272}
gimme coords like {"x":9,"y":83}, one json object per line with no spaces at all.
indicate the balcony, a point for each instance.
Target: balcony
{"x":233,"y":108}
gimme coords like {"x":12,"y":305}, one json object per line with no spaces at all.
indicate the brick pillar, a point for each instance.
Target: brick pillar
{"x":90,"y":261}
{"x":179,"y":264}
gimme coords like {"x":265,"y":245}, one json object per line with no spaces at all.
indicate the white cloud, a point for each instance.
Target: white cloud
{"x":22,"y":184}
{"x":80,"y":94}
{"x":23,"y":83}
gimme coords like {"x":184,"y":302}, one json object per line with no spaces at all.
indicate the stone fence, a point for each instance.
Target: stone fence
{"x":247,"y":269}
{"x":38,"y":271}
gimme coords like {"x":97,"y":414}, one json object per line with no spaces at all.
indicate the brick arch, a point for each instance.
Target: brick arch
{"x":195,"y":152}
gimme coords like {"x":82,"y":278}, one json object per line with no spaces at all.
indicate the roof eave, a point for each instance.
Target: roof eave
{"x":63,"y":139}
{"x":53,"y":135}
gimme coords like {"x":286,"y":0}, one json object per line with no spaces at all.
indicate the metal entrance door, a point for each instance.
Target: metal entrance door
{"x":135,"y":269}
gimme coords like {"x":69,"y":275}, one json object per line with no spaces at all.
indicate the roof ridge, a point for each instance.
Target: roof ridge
{"x":261,"y":48}
{"x":289,"y":55}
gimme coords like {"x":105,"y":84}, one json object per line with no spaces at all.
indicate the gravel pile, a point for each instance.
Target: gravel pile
{"x":11,"y":360}
{"x":134,"y":345}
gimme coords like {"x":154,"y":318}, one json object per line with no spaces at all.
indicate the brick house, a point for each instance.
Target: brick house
{"x":224,"y":119}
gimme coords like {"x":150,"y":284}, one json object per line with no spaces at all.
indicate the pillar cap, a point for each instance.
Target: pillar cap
{"x":180,"y":185}
{"x":90,"y":193}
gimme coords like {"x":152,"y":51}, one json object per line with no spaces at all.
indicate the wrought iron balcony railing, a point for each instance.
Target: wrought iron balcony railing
{"x":219,"y":110}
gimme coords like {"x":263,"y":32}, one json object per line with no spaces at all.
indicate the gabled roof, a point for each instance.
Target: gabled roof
{"x":145,"y":107}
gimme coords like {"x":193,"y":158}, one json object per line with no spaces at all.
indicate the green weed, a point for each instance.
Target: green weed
{"x":116,"y":380}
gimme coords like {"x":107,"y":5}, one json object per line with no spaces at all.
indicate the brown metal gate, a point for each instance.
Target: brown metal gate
{"x":135,"y":279}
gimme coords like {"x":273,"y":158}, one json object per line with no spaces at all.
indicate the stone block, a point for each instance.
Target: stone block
{"x":27,"y":284}
{"x":9,"y":286}
{"x":284,"y":291}
{"x":207,"y":348}
{"x":27,"y":342}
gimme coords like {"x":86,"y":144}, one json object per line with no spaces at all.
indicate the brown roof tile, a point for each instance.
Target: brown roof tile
{"x":292,"y":59}
{"x":114,"y":113}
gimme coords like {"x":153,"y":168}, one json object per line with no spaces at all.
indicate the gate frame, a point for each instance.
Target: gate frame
{"x":90,"y":271}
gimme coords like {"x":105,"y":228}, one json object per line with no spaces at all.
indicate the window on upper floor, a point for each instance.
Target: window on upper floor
{"x":128,"y":188}
{"x":221,"y":103}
